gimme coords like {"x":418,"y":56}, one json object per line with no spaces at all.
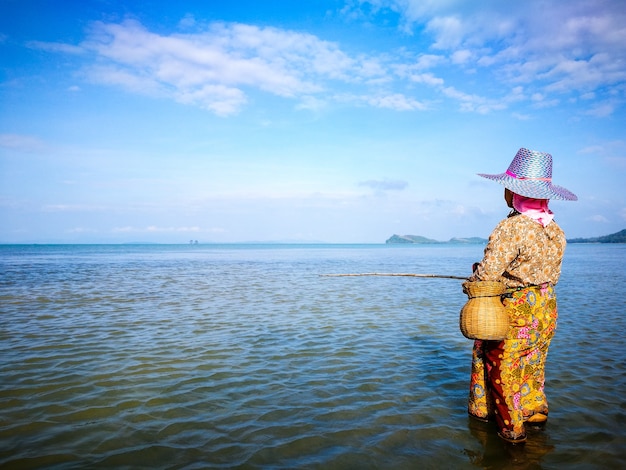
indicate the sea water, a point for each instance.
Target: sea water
{"x":244,"y":356}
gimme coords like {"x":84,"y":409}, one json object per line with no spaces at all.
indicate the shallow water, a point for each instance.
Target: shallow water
{"x":241,"y":356}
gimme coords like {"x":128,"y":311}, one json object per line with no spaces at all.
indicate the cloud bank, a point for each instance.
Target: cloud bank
{"x":501,"y":57}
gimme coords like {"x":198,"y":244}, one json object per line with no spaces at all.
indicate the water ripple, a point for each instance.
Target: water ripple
{"x":245,"y":358}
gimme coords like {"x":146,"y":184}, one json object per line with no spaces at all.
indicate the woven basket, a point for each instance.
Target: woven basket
{"x":484,"y":316}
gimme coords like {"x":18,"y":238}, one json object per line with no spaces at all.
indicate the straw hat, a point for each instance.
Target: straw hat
{"x":530,"y":175}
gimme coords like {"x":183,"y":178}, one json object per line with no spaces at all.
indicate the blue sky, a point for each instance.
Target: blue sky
{"x":338,"y":121}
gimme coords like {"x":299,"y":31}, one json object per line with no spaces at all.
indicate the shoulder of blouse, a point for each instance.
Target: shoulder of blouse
{"x":513,"y":220}
{"x":520,"y":225}
{"x":512,"y":231}
{"x":554,"y":230}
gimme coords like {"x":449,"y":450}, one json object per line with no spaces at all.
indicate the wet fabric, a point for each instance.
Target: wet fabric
{"x":508,"y":377}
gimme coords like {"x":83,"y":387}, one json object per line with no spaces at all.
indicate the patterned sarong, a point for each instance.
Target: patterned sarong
{"x":508,"y":377}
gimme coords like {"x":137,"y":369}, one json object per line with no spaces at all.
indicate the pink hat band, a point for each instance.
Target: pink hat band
{"x":513,"y":175}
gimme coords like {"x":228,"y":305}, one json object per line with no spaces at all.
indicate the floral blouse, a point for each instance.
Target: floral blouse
{"x":521,"y":252}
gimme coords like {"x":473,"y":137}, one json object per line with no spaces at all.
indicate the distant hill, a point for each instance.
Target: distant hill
{"x":419,"y":240}
{"x":619,"y":237}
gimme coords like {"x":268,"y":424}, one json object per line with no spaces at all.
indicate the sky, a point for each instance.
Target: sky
{"x":337,"y":121}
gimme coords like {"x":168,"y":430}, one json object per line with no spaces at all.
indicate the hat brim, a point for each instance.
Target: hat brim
{"x":532,"y":188}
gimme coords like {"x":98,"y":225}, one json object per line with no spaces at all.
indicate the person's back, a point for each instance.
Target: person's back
{"x":521,"y":252}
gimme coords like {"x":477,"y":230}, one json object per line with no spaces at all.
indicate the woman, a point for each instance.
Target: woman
{"x":524,"y":252}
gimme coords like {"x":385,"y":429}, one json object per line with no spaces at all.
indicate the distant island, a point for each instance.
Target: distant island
{"x":619,"y":237}
{"x":416,"y":239}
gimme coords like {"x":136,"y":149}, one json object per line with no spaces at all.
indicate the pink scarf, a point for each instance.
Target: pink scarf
{"x":536,"y":209}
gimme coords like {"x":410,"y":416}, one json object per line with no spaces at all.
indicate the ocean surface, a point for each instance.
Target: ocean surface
{"x":243,"y":356}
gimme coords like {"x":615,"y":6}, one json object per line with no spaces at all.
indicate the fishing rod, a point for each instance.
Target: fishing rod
{"x":439,"y":276}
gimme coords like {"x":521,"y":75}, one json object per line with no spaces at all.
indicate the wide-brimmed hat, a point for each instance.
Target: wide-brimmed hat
{"x":530,"y":175}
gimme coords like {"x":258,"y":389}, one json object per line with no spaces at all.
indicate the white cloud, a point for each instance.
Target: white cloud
{"x":572,"y":48}
{"x":396,"y":101}
{"x":428,"y":61}
{"x":427,"y":78}
{"x":612,"y":154}
{"x":24,"y":143}
{"x":601,"y":110}
{"x":448,"y":31}
{"x":312,"y":103}
{"x":157,"y":229}
{"x":461,"y":56}
{"x":385,"y":184}
{"x":81,"y":230}
{"x":473,"y":102}
{"x":213,"y":67}
{"x":73,"y":208}
{"x":521,"y":117}
{"x":218,"y":98}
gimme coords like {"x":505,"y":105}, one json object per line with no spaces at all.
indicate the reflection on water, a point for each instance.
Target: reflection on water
{"x":243,"y":356}
{"x":494,"y":453}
